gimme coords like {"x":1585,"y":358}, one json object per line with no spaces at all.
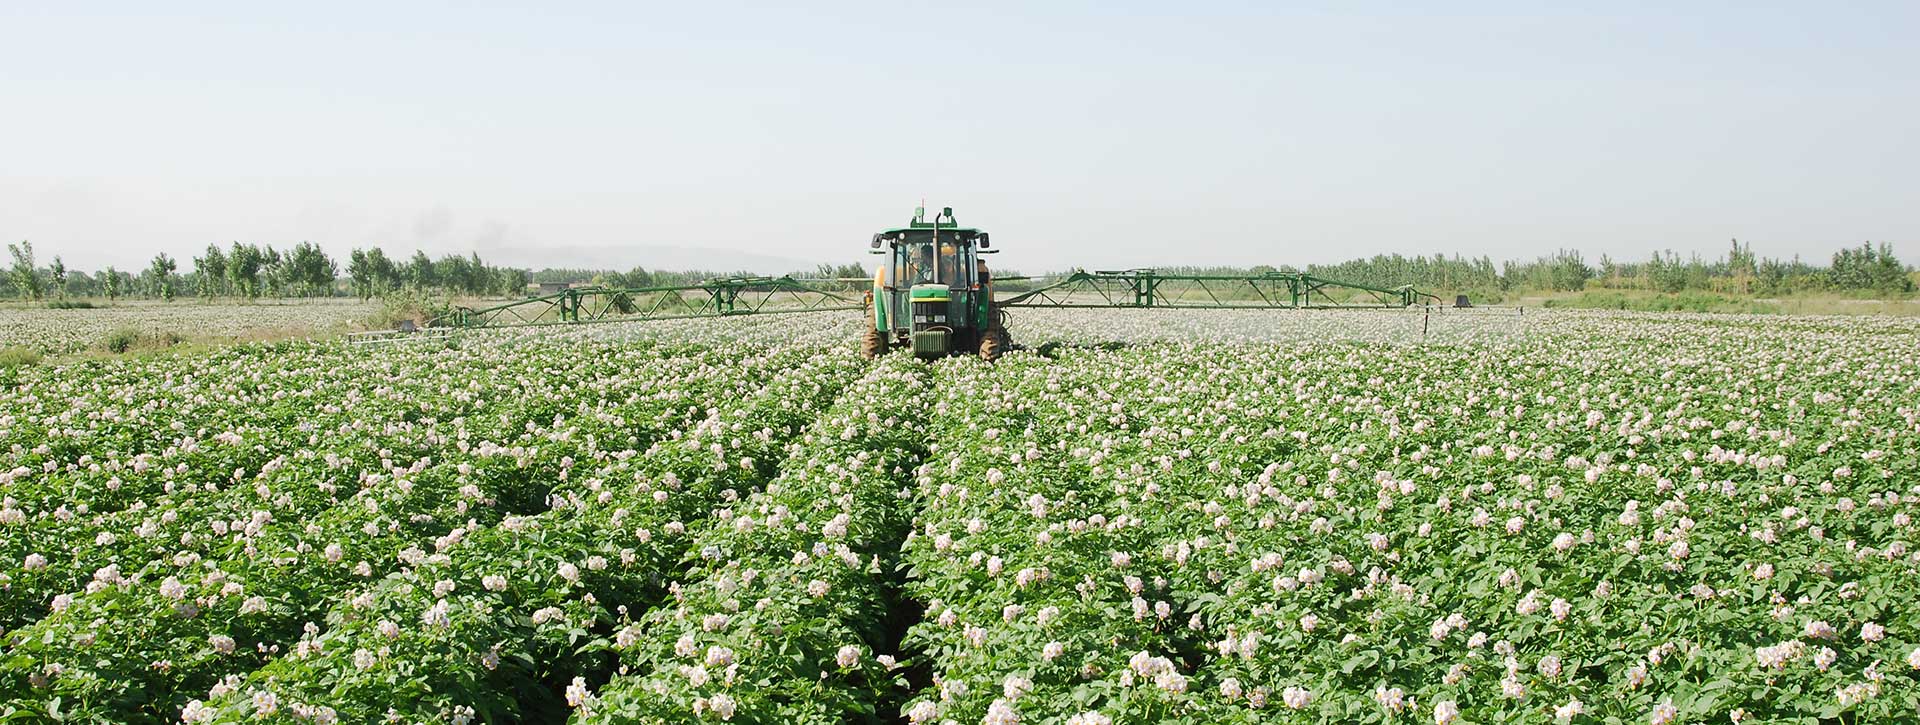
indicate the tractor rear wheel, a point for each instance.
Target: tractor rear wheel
{"x":994,"y":343}
{"x":873,"y":345}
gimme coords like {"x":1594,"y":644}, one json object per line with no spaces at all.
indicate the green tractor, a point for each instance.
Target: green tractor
{"x":934,"y":293}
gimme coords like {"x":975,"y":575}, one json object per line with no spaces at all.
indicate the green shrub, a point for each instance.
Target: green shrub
{"x":121,"y":339}
{"x":623,"y":303}
{"x":69,"y":305}
{"x":409,"y":305}
{"x":16,"y":356}
{"x":1478,"y":296}
{"x":127,"y":339}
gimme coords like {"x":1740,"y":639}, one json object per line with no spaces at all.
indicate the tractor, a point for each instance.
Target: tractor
{"x":933,"y":293}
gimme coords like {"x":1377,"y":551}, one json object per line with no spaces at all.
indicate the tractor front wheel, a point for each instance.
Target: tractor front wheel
{"x":995,"y":343}
{"x":873,"y":345}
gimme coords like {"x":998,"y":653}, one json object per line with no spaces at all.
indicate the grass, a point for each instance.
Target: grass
{"x":1681,"y":302}
{"x":1833,"y":305}
{"x":127,"y":339}
{"x":412,"y":306}
{"x":135,"y":341}
{"x":1696,"y":301}
{"x":19,"y":356}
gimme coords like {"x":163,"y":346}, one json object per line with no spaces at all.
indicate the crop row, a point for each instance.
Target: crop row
{"x":122,"y":471}
{"x":783,"y":615}
{"x":1029,"y":550}
{"x":1582,"y":532}
{"x":136,"y":644}
{"x":1607,"y":519}
{"x":1624,"y":536}
{"x":489,"y":627}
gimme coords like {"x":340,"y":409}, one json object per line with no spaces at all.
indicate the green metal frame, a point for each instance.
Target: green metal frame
{"x":1147,"y":288}
{"x":711,"y":298}
{"x":734,"y":296}
{"x":727,"y":297}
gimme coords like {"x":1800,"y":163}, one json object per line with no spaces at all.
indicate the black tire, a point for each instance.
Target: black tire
{"x":873,"y":344}
{"x":994,"y":343}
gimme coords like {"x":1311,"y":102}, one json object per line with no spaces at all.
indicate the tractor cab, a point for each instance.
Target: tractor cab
{"x":933,"y":292}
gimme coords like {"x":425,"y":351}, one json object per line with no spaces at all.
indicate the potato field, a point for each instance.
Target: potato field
{"x":1151,"y":517}
{"x":64,"y":331}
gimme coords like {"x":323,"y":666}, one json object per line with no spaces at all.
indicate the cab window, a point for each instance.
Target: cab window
{"x":914,"y":263}
{"x":924,"y":261}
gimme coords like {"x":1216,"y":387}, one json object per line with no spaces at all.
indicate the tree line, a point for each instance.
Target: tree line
{"x":1868,"y":268}
{"x":371,"y":273}
{"x":639,"y":277}
{"x":250,"y":271}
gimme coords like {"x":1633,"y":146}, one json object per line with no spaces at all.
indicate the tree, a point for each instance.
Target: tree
{"x":310,"y":270}
{"x":385,"y":275}
{"x":58,"y":272}
{"x":515,"y":280}
{"x":1869,"y":268}
{"x":1570,"y":272}
{"x":453,"y":273}
{"x":1666,"y":273}
{"x":243,"y":270}
{"x":213,"y":270}
{"x":636,"y":277}
{"x":25,"y":277}
{"x":482,"y":276}
{"x":161,"y":276}
{"x":81,"y":284}
{"x":273,"y":272}
{"x":110,"y":283}
{"x":1770,"y":277}
{"x":360,"y":273}
{"x":1742,"y":266}
{"x":420,"y":272}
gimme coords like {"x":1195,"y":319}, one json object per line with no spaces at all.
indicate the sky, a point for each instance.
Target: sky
{"x":1099,"y":135}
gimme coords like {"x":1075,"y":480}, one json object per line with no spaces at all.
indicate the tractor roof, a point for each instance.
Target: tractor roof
{"x":944,"y":222}
{"x":929,"y":227}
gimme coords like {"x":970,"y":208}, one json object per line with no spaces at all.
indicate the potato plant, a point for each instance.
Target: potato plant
{"x":1142,"y":517}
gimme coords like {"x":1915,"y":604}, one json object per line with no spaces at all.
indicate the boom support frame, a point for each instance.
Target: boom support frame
{"x":712,"y":298}
{"x":735,"y":296}
{"x":1147,"y":288}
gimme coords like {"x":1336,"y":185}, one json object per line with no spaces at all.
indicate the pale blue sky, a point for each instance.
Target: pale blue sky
{"x":1097,"y":134}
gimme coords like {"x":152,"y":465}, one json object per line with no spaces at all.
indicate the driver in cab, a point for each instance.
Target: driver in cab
{"x":920,"y":267}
